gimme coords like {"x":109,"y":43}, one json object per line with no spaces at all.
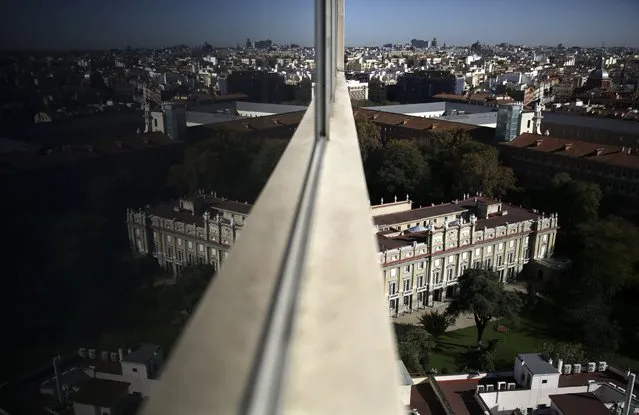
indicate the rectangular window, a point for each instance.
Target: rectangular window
{"x":463,"y":269}
{"x":511,"y":244}
{"x":169,"y":239}
{"x":420,"y":265}
{"x":169,"y":252}
{"x":501,"y":246}
{"x":407,"y":300}
{"x":465,"y":255}
{"x":489,"y":249}
{"x":179,"y":241}
{"x":406,"y":285}
{"x":436,"y":277}
{"x":200,"y":247}
{"x":407,"y":268}
{"x":500,"y":260}
{"x":190,"y":243}
{"x":489,"y":263}
{"x":449,"y":274}
{"x":420,"y":282}
{"x":392,"y":288}
{"x":451,"y":259}
{"x":511,"y":257}
{"x":477,"y":264}
{"x":180,"y":255}
{"x":393,"y":272}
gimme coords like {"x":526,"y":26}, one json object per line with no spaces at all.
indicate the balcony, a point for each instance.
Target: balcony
{"x":278,"y":330}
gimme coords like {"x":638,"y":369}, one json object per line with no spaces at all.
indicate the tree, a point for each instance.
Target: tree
{"x":403,"y":168}
{"x":435,"y":322}
{"x":606,"y":257}
{"x":483,"y":295}
{"x":568,"y":352}
{"x":479,"y":170}
{"x":576,"y":202}
{"x":192,"y":283}
{"x":369,"y":137}
{"x":413,"y":345}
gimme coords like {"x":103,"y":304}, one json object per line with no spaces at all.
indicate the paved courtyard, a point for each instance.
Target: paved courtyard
{"x":465,"y":320}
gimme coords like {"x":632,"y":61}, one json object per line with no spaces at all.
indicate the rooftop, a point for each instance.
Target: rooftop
{"x":142,"y":354}
{"x":92,"y":150}
{"x":170,"y":210}
{"x":599,"y":153}
{"x":537,"y":364}
{"x":580,"y":404}
{"x":101,"y":392}
{"x":423,"y":398}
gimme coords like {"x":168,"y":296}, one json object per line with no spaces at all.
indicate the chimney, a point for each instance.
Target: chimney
{"x":539,"y":141}
{"x":599,"y":151}
{"x":560,"y":365}
{"x":121,"y":354}
{"x":567,"y":146}
{"x":623,"y":149}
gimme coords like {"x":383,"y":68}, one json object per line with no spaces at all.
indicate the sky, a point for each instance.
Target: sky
{"x":82,"y":24}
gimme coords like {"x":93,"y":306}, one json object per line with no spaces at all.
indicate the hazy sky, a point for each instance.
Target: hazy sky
{"x":118,"y":23}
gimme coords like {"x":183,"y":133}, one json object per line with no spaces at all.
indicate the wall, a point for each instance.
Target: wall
{"x":526,"y":398}
{"x":82,"y":409}
{"x":404,"y":393}
{"x":388,"y":208}
{"x":467,"y":376}
{"x":138,"y":384}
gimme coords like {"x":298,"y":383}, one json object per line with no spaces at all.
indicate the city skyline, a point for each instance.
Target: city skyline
{"x":73,"y":24}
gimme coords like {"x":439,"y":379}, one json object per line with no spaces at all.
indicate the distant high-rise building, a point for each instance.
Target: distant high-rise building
{"x":434,"y":42}
{"x":508,"y":121}
{"x":249,"y":44}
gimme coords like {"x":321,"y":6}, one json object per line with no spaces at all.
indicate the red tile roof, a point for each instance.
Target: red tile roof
{"x":422,"y":398}
{"x":579,"y":404}
{"x":600,"y":153}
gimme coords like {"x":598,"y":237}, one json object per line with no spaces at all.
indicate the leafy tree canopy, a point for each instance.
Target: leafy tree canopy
{"x":575,"y":201}
{"x":435,"y":322}
{"x":413,"y":345}
{"x":403,"y":168}
{"x":369,"y":137}
{"x":483,"y":295}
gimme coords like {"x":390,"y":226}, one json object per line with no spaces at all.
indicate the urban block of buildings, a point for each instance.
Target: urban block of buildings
{"x":535,"y":386}
{"x":197,"y":230}
{"x":105,"y":382}
{"x":424,"y":251}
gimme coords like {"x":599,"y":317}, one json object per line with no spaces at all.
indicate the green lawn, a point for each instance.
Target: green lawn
{"x":526,"y":336}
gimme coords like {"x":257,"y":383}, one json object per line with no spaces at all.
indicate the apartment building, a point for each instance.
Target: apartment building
{"x":535,"y":157}
{"x":195,"y":230}
{"x":423,"y":251}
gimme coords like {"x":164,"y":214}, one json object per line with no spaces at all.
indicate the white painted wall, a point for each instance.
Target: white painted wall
{"x":404,"y":393}
{"x":526,"y":398}
{"x":139,"y":382}
{"x":426,"y":114}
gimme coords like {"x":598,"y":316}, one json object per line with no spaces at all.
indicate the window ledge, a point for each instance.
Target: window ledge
{"x":341,"y":355}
